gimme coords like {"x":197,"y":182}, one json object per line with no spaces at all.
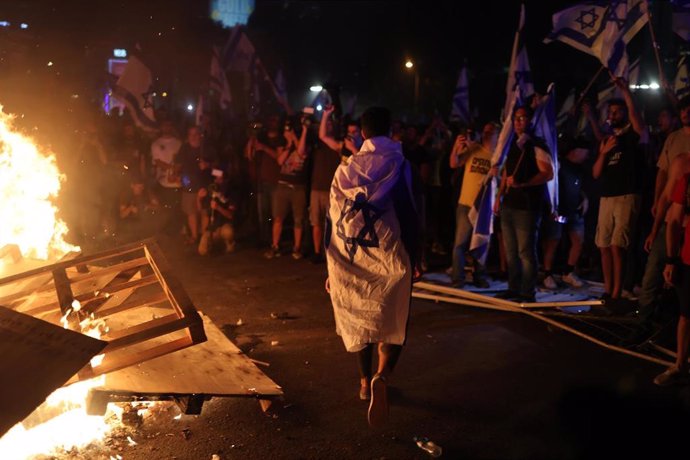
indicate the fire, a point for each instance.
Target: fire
{"x":29,"y":185}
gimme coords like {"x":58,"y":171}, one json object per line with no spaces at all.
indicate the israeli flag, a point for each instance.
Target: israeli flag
{"x":135,"y":89}
{"x":601,"y":28}
{"x":280,"y":89}
{"x":682,"y":84}
{"x":239,"y":54}
{"x":218,"y":81}
{"x":481,"y":214}
{"x":519,"y":74}
{"x":460,"y":110}
{"x":544,"y":126}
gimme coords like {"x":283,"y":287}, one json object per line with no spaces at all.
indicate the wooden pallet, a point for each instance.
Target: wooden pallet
{"x":130,"y":289}
{"x":216,"y":368}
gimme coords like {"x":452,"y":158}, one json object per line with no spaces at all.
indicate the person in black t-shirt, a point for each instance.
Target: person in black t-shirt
{"x":527,"y":169}
{"x":619,"y":167}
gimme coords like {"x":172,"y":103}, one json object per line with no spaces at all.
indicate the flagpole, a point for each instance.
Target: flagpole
{"x":664,"y":83}
{"x":589,"y":85}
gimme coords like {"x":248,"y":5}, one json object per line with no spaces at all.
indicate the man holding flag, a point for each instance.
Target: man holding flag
{"x":528,"y":167}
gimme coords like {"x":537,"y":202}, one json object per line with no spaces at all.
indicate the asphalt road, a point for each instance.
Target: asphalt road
{"x":481,"y":384}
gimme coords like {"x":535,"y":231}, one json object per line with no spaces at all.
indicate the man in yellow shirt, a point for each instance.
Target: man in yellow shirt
{"x":476,"y":158}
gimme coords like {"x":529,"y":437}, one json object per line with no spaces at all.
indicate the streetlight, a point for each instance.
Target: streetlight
{"x":316,"y":88}
{"x":409,"y":65}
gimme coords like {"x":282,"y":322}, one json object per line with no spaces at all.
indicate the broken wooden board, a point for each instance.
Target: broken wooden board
{"x":216,"y":368}
{"x":36,"y":358}
{"x":102,"y":290}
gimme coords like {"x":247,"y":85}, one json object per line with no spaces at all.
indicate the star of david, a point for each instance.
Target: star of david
{"x":612,"y":14}
{"x":587,"y":24}
{"x":366,"y":237}
{"x":148,"y":102}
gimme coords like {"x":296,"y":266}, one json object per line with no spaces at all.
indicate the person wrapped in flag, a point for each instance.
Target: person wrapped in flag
{"x":372,"y":248}
{"x":476,"y":158}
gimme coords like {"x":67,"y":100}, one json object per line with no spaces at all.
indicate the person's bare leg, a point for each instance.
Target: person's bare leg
{"x":364,"y":359}
{"x":317,"y":238}
{"x":549,"y":248}
{"x":298,"y":239}
{"x":607,"y":268}
{"x":618,"y":271}
{"x":277,"y":229}
{"x":683,"y":339}
{"x":576,"y":241}
{"x":388,"y":358}
{"x":193,"y":223}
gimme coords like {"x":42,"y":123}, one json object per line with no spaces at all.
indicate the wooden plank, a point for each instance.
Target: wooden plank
{"x":177,"y":295}
{"x":145,"y":301}
{"x":90,"y":297}
{"x":63,"y":289}
{"x":72,"y":262}
{"x":119,"y":267}
{"x":11,"y":251}
{"x":144,"y":331}
{"x":36,"y":357}
{"x":215,"y":368}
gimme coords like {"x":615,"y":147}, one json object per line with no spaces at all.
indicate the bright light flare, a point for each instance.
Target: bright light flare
{"x":409,"y":64}
{"x":316,"y":88}
{"x":29,"y":185}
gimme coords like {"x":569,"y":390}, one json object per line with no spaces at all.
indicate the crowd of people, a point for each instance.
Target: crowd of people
{"x":266,"y":183}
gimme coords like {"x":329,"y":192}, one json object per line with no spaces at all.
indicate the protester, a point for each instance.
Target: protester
{"x":262,"y":152}
{"x":619,"y":167}
{"x":677,"y":273}
{"x":673,"y":163}
{"x":327,"y":155}
{"x":195,"y":169}
{"x":217,"y":215}
{"x":522,"y":200}
{"x":572,"y":207}
{"x":166,"y":171}
{"x":291,"y":192}
{"x":372,"y":248}
{"x":476,"y":159}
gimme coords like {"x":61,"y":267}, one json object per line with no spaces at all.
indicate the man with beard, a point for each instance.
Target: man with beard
{"x":619,"y":167}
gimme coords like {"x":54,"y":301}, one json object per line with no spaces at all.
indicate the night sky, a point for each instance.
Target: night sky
{"x":359,"y":45}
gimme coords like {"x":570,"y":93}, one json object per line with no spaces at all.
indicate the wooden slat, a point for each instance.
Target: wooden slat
{"x":63,"y":290}
{"x":144,"y":331}
{"x":72,"y":262}
{"x":215,"y":368}
{"x":177,"y":295}
{"x":86,"y":298}
{"x":146,"y":301}
{"x":119,"y":267}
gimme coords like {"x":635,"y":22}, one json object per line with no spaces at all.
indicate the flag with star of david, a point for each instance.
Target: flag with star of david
{"x":135,"y":89}
{"x":601,"y":28}
{"x":519,"y":73}
{"x":682,"y":81}
{"x":461,"y":99}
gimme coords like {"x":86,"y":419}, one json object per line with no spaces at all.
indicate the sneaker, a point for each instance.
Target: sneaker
{"x":672,"y":376}
{"x":296,"y":254}
{"x":378,"y":406}
{"x":481,"y":283}
{"x":272,"y":253}
{"x":550,"y":283}
{"x":458,"y":284}
{"x":573,"y":280}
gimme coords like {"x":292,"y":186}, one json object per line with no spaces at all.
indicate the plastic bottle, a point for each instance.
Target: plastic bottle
{"x":429,"y":446}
